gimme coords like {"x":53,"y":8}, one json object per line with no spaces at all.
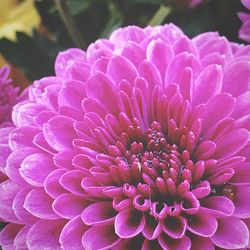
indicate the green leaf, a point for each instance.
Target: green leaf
{"x":34,"y":55}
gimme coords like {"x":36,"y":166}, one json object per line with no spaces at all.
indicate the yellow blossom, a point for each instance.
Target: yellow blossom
{"x":16,"y":15}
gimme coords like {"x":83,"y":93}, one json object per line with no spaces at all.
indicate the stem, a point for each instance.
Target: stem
{"x":69,"y":24}
{"x":160,"y":15}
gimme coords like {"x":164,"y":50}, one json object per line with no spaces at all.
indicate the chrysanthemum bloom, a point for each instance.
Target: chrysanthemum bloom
{"x":141,"y":142}
{"x":8,"y":96}
{"x":244,"y":32}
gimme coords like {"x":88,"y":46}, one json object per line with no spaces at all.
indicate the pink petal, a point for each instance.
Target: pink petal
{"x":204,"y":91}
{"x":59,"y":132}
{"x":72,"y":94}
{"x":174,"y":226}
{"x":18,"y":206}
{"x":68,"y":205}
{"x":242,"y":174}
{"x":45,"y":234}
{"x":219,"y":44}
{"x":36,"y":167}
{"x":129,"y":223}
{"x":134,"y":53}
{"x":223,"y":104}
{"x":14,"y":161}
{"x":152,"y":228}
{"x":98,"y":213}
{"x":236,"y":80}
{"x":231,"y":143}
{"x":64,"y":59}
{"x":23,"y":136}
{"x":242,"y":105}
{"x":241,"y":200}
{"x":23,"y":115}
{"x":71,"y":181}
{"x":150,"y":73}
{"x":8,"y":191}
{"x":20,"y":239}
{"x":100,"y":237}
{"x":160,"y":54}
{"x":8,"y":234}
{"x":180,"y":244}
{"x":52,"y":185}
{"x":202,"y":224}
{"x":120,"y":68}
{"x":218,"y":206}
{"x":99,"y":87}
{"x":203,"y":243}
{"x":71,"y":234}
{"x":232,"y":233}
{"x":39,"y":204}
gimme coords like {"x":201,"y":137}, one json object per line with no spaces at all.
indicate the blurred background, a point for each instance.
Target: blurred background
{"x":32,"y":32}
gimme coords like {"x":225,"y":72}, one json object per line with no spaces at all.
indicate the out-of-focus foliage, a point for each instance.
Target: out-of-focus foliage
{"x":94,"y":19}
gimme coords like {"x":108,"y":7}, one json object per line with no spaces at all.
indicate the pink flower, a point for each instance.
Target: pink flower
{"x":244,"y":32}
{"x":141,"y":142}
{"x":8,"y":96}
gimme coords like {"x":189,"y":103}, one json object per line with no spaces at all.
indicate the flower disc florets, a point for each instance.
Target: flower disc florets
{"x":141,"y":142}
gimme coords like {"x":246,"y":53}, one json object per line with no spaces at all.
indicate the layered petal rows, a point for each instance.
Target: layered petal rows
{"x":141,"y":142}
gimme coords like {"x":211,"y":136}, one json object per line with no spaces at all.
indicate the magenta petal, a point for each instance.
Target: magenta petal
{"x":8,"y":191}
{"x":231,"y":143}
{"x":242,"y":174}
{"x":39,"y":204}
{"x":150,"y":245}
{"x":36,"y":167}
{"x":59,"y":132}
{"x":152,"y":228}
{"x":174,"y":226}
{"x":203,"y":243}
{"x":100,"y":237}
{"x":71,"y":234}
{"x":202,"y":224}
{"x":99,"y":87}
{"x":160,"y":54}
{"x":98,"y":213}
{"x":213,"y":75}
{"x":68,"y":205}
{"x":52,"y":185}
{"x":20,"y":239}
{"x":22,"y":136}
{"x":120,"y":68}
{"x":45,"y":234}
{"x":129,"y":223}
{"x":218,"y":206}
{"x":150,"y":73}
{"x":21,"y":213}
{"x":8,"y":234}
{"x":223,"y":104}
{"x":242,"y":105}
{"x":133,"y":52}
{"x":72,"y":95}
{"x":170,"y":244}
{"x":239,"y":72}
{"x":241,"y":200}
{"x":14,"y":161}
{"x":64,"y":59}
{"x":71,"y":181}
{"x":232,"y":233}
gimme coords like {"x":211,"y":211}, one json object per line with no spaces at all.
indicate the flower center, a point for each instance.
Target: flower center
{"x":154,"y":172}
